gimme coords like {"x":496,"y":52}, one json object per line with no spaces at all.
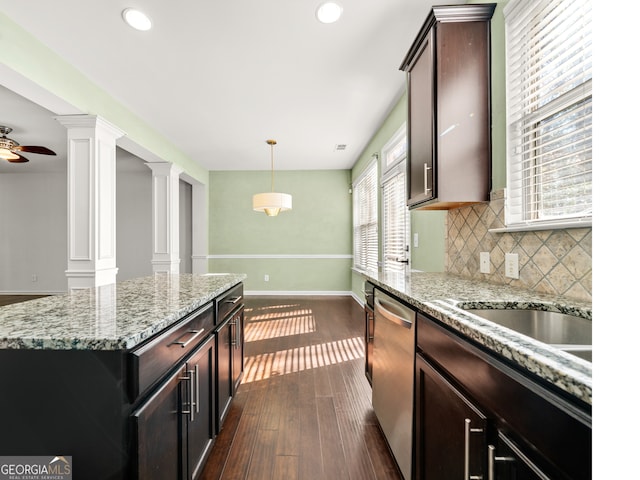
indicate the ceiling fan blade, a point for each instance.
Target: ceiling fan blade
{"x":20,"y":159}
{"x":34,"y":149}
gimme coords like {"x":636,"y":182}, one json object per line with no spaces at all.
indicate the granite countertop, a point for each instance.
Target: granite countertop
{"x":444,"y":296}
{"x":112,"y":317}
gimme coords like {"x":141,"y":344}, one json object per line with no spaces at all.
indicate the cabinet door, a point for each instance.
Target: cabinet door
{"x":224,"y":381}
{"x":507,"y":462}
{"x":237,"y":347}
{"x":463,"y":112}
{"x":450,"y":435}
{"x":421,"y":125}
{"x":200,"y":423}
{"x":158,"y":426}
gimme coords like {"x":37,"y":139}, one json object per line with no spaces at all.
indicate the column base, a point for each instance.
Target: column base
{"x":79,"y":279}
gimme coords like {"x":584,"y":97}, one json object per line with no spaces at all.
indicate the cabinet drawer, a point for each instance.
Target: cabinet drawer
{"x":151,"y":361}
{"x":228,"y":302}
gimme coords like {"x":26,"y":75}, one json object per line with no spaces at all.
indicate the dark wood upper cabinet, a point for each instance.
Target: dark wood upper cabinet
{"x":449,"y":126}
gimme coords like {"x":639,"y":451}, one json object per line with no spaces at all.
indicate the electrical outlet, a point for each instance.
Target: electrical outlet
{"x":34,"y":278}
{"x":266,"y":277}
{"x":485,"y":262}
{"x":511,"y":267}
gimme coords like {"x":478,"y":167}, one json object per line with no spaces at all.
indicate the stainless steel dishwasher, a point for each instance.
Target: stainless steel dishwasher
{"x":393,"y":371}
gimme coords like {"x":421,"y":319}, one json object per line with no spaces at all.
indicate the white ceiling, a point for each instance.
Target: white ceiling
{"x":219,"y":78}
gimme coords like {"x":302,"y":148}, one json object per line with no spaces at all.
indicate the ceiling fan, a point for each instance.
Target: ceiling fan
{"x":10,"y":149}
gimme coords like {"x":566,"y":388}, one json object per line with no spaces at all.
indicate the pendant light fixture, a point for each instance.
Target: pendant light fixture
{"x":272,"y":203}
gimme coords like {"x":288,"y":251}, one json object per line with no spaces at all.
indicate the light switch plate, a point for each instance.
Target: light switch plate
{"x":485,"y":262}
{"x":416,"y":240}
{"x":511,"y":267}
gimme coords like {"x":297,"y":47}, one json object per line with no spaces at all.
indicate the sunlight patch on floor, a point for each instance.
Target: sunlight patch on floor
{"x":279,"y":324}
{"x":263,"y":366}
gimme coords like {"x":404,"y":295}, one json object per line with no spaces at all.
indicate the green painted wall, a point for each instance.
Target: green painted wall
{"x":23,"y":53}
{"x":319,"y":226}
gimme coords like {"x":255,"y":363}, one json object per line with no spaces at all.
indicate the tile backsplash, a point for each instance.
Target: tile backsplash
{"x":551,"y":261}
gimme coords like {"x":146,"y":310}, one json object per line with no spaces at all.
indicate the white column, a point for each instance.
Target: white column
{"x":166,"y":226}
{"x":91,"y":200}
{"x":200,"y":233}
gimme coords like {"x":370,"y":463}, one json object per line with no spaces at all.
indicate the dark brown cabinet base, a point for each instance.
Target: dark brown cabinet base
{"x":451,"y":431}
{"x":519,"y":427}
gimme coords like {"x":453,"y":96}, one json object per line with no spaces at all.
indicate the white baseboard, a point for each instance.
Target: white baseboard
{"x":297,"y":293}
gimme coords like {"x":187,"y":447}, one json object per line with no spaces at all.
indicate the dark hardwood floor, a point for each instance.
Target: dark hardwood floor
{"x":9,"y":299}
{"x":303,"y":410}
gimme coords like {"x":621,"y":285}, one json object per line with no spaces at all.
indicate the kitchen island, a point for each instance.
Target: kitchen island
{"x":79,"y":370}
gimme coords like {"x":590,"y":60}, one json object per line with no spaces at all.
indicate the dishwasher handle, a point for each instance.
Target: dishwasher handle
{"x":389,"y":315}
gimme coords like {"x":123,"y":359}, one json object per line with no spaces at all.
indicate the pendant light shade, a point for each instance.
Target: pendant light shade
{"x":272,"y":203}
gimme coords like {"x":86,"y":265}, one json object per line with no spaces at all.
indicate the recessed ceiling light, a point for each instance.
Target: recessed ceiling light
{"x":136,"y":19}
{"x":329,"y":12}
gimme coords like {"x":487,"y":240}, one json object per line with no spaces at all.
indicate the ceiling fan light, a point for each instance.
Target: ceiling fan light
{"x":329,"y":12}
{"x":8,"y":154}
{"x":136,"y":19}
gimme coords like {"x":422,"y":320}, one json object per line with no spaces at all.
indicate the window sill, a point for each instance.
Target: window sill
{"x":530,"y":227}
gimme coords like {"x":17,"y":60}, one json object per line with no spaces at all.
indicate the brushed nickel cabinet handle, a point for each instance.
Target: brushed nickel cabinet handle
{"x":467,"y":441}
{"x":234,"y":330}
{"x":195,"y":399}
{"x":195,"y":333}
{"x":188,"y":403}
{"x":233,"y":300}
{"x":492,"y":462}
{"x":427,"y":188}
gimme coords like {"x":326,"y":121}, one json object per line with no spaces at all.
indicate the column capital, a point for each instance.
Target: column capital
{"x":164,"y":168}
{"x":90,"y":121}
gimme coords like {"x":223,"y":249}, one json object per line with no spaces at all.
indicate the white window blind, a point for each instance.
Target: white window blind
{"x":549,"y":112}
{"x":395,"y":214}
{"x":365,"y":219}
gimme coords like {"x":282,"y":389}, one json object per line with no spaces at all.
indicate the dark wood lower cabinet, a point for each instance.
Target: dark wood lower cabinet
{"x":451,"y":439}
{"x":157,"y":434}
{"x":200,"y":421}
{"x":508,"y":462}
{"x":223,"y":378}
{"x":174,"y":428}
{"x":479,"y":417}
{"x":237,"y":348}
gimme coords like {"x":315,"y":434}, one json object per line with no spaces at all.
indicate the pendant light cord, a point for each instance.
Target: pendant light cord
{"x":272,"y":143}
{"x":272,"y":168}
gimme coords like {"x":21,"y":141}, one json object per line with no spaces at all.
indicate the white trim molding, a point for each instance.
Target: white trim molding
{"x":298,"y":293}
{"x":280,"y":256}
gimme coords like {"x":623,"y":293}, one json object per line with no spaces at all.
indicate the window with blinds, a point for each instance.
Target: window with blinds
{"x":549,"y":112}
{"x":396,"y":228}
{"x":365,"y":219}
